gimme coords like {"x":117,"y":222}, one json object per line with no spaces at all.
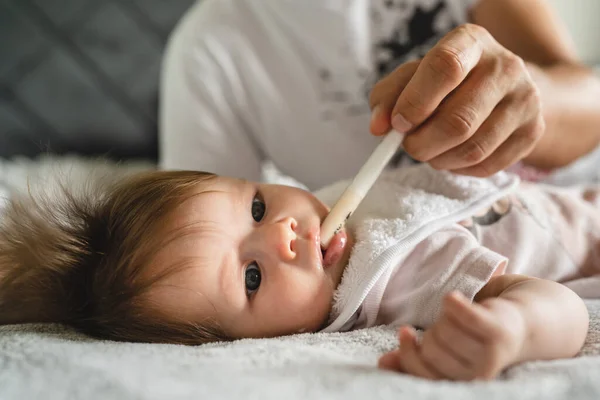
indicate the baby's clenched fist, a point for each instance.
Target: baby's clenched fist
{"x":469,"y":341}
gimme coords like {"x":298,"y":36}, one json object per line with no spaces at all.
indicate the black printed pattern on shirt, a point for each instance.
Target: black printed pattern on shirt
{"x":416,"y":28}
{"x":401,"y":30}
{"x":410,"y":37}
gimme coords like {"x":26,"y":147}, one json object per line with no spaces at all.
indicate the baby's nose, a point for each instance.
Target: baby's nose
{"x":282,"y":237}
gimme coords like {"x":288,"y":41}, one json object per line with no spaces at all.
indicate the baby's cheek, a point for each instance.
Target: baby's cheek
{"x":318,"y":307}
{"x":308,"y":306}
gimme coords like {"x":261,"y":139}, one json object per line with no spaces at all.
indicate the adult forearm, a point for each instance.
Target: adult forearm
{"x":556,"y":319}
{"x":571,"y":105}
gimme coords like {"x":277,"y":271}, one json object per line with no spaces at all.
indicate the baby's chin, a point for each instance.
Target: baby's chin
{"x":324,"y":323}
{"x":322,"y":314}
{"x":336,"y":272}
{"x":312,"y":327}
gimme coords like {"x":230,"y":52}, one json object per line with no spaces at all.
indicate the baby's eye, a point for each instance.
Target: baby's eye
{"x":252,"y":278}
{"x":258,"y":208}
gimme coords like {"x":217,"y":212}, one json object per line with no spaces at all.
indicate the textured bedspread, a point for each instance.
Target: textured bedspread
{"x":49,"y":362}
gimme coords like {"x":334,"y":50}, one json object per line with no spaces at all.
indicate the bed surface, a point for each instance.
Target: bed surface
{"x":51,"y":362}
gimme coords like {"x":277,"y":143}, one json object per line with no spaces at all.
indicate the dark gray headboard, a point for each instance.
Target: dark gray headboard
{"x":82,"y":75}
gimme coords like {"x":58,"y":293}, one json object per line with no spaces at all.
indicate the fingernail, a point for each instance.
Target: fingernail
{"x":455,"y":294}
{"x":406,"y":332}
{"x":375,"y":117}
{"x":401,"y":124}
{"x":375,"y":112}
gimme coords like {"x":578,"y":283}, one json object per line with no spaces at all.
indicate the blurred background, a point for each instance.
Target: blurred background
{"x":583,"y":21}
{"x":81,"y":76}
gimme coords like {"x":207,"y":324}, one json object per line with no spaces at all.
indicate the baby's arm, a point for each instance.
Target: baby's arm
{"x":514,"y":319}
{"x":555,"y":318}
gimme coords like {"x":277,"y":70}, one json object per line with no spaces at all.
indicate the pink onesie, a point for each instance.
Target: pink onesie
{"x":538,"y":231}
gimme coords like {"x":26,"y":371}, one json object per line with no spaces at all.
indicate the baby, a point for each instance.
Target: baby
{"x":190,"y":258}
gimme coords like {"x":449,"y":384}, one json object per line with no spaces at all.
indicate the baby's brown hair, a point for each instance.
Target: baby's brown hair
{"x":78,"y":258}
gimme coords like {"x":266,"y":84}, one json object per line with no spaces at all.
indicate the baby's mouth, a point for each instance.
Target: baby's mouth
{"x":335,"y":250}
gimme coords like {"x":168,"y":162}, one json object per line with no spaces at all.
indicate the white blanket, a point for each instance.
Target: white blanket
{"x":51,"y":362}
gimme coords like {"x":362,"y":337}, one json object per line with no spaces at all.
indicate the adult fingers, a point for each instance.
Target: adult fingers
{"x":505,"y":119}
{"x":515,"y":148}
{"x":460,"y":114}
{"x":442,"y":69}
{"x":384,"y":95}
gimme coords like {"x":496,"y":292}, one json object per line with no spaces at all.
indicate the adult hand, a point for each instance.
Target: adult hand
{"x":469,"y":106}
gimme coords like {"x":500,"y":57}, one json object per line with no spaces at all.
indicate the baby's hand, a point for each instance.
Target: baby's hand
{"x":469,"y":341}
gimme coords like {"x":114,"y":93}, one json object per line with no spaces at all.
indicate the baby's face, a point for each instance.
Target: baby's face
{"x":254,"y":262}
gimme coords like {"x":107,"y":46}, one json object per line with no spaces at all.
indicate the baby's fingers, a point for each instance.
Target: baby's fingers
{"x":390,"y":361}
{"x":446,"y":360}
{"x":472,"y":318}
{"x":411,"y":361}
{"x":455,"y":340}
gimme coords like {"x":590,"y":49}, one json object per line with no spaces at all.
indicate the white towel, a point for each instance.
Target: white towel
{"x":403,"y":207}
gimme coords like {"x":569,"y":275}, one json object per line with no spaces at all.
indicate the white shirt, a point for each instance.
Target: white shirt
{"x":287,"y":81}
